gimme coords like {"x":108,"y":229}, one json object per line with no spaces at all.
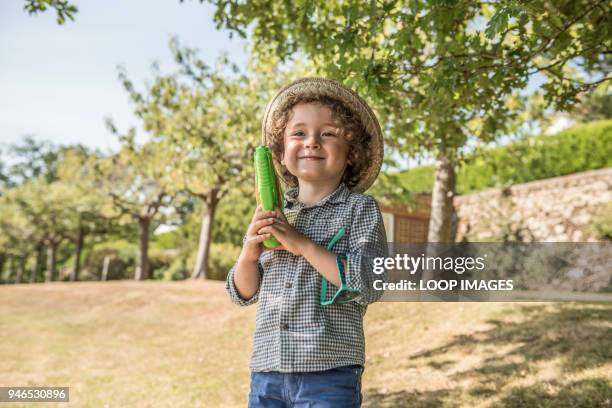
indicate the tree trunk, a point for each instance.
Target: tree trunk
{"x":37,"y":256}
{"x":210,"y":206}
{"x":74,"y":276}
{"x":105,"y":267}
{"x":51,"y":252}
{"x":442,"y":208}
{"x":21,"y":268}
{"x":142,"y":269}
{"x":2,"y":262}
{"x":11,"y":269}
{"x":441,"y":217}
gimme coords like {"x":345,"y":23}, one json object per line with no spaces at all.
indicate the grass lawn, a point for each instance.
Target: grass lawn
{"x":183,"y":344}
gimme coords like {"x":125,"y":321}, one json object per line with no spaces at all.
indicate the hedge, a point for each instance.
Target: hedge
{"x":580,"y":148}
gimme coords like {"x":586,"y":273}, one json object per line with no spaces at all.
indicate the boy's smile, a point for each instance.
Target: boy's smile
{"x":314,"y":150}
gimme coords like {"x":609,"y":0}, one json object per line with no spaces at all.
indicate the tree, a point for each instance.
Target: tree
{"x":140,"y":182}
{"x":86,"y":205}
{"x":209,"y":117}
{"x":596,"y":105}
{"x":35,"y":159}
{"x":15,"y":235}
{"x":40,"y":208}
{"x":51,"y":178}
{"x":442,"y":74}
{"x":4,"y":180}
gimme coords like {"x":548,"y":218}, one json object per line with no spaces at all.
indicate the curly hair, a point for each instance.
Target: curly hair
{"x":352,"y":130}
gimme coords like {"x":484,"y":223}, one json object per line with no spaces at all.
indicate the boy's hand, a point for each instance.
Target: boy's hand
{"x":291,"y":239}
{"x":252,"y":246}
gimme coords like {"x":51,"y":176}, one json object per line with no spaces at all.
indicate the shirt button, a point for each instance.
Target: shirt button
{"x":288,"y":285}
{"x":284,"y":326}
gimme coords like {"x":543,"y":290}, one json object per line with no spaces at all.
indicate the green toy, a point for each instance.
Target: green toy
{"x":269,"y":194}
{"x":344,"y":294}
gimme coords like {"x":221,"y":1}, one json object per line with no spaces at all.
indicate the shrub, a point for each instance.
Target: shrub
{"x":122,"y":260}
{"x":160,"y":261}
{"x":222,"y":257}
{"x":580,"y":148}
{"x":178,"y":270}
{"x":601,"y":223}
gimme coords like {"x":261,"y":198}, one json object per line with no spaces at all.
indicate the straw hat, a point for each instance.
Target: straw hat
{"x":335,"y":90}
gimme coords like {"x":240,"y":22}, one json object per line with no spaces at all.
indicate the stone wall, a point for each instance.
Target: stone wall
{"x":553,"y":210}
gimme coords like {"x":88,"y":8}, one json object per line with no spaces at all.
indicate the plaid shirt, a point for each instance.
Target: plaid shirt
{"x":294,"y":333}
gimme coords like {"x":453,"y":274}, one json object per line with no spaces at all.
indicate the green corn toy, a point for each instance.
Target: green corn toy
{"x":269,"y":193}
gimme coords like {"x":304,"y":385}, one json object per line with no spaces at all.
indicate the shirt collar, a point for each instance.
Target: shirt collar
{"x":338,"y":196}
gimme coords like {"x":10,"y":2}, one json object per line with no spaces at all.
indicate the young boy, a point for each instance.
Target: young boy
{"x":328,"y":148}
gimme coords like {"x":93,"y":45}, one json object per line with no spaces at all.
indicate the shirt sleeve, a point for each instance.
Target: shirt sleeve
{"x":233,"y":293}
{"x":367,"y":241}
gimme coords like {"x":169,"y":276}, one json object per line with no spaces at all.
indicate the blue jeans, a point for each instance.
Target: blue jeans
{"x":339,"y":387}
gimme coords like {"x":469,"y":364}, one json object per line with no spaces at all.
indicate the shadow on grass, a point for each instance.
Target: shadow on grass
{"x":596,"y":392}
{"x":592,"y":393}
{"x":406,"y":399}
{"x":579,"y":337}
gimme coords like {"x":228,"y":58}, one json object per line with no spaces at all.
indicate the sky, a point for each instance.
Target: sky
{"x":59,"y":83}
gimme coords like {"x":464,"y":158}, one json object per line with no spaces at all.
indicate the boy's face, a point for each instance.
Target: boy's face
{"x":314,"y":149}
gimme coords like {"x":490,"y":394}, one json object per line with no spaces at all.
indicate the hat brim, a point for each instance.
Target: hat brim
{"x":313,"y":86}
